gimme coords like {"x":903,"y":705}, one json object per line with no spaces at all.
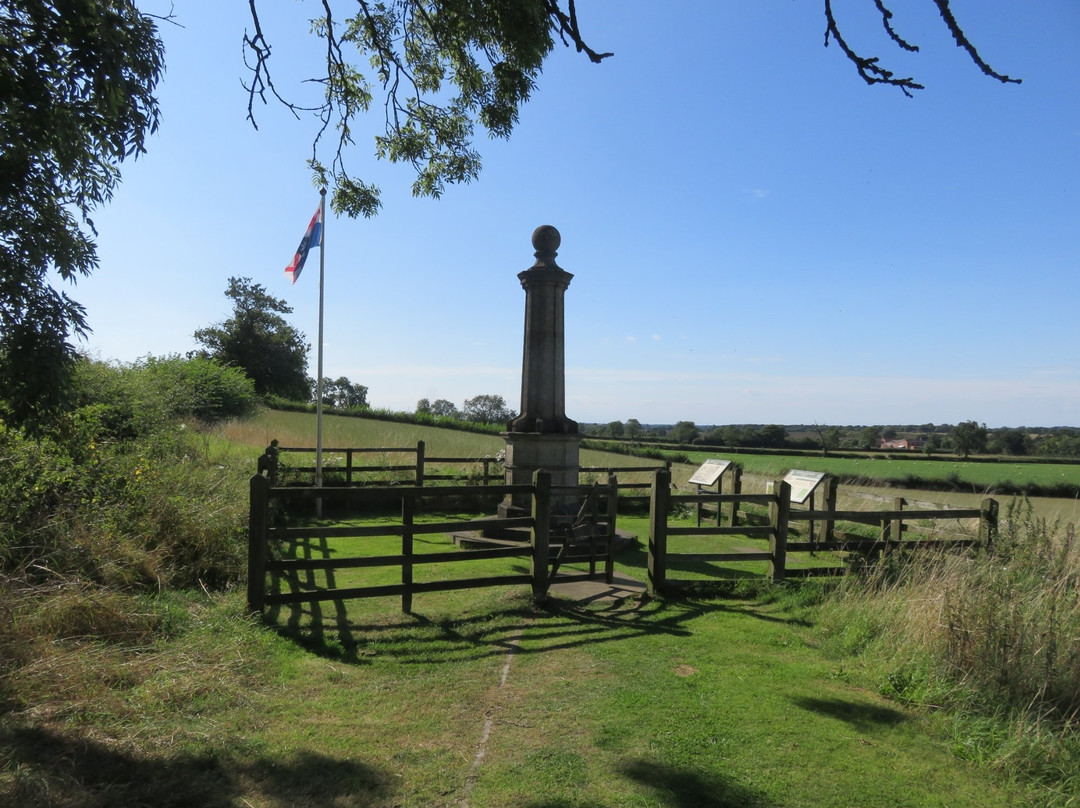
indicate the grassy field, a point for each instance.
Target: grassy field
{"x":481,"y":699}
{"x":478,"y":698}
{"x":978,"y":476}
{"x":297,"y":429}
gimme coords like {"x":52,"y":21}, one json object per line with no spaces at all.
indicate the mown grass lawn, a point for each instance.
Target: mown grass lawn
{"x":483,"y":699}
{"x":640,"y":702}
{"x":718,"y":702}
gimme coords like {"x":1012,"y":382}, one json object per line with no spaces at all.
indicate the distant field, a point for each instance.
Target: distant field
{"x":298,"y":429}
{"x":979,"y":475}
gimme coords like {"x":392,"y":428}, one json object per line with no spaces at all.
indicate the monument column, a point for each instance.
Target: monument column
{"x":542,"y":436}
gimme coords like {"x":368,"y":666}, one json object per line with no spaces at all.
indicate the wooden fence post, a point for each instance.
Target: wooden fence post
{"x":407,"y":503}
{"x":419,"y":463}
{"x":778,"y":520}
{"x":828,"y":525}
{"x":658,"y":516}
{"x":257,"y":538}
{"x":719,"y":507}
{"x":541,"y":534}
{"x":612,"y":515}
{"x":268,"y":462}
{"x":348,"y":467}
{"x":736,"y":488}
{"x":897,"y":530}
{"x":988,"y":522}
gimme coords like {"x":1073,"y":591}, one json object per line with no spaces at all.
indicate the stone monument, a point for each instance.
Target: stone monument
{"x":542,"y":437}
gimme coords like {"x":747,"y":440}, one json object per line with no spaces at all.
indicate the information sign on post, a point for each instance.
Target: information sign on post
{"x":709,"y":472}
{"x":803,"y":484}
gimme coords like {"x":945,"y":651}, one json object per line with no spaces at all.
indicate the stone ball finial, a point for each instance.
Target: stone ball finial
{"x":546,"y":240}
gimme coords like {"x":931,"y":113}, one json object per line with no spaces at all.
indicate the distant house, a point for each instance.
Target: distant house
{"x":899,"y":443}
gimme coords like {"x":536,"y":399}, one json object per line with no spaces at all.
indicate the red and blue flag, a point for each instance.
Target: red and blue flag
{"x":312,"y":238}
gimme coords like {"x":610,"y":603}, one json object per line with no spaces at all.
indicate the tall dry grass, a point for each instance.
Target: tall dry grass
{"x":991,"y":638}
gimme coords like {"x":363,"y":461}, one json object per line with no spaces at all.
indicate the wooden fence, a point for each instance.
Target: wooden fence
{"x":891,"y":526}
{"x":551,"y":541}
{"x":420,"y":468}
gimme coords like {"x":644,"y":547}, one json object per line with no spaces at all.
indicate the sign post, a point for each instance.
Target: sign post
{"x":803,"y":484}
{"x":710,"y":472}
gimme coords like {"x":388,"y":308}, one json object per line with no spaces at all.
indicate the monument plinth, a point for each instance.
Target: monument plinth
{"x":542,"y":437}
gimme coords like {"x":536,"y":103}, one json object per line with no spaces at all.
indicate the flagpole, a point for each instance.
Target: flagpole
{"x":319,"y":378}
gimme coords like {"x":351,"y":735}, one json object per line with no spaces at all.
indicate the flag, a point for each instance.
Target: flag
{"x":312,"y":238}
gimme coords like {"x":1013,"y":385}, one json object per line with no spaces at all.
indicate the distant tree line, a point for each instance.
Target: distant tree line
{"x":486,"y":408}
{"x":965,"y":438}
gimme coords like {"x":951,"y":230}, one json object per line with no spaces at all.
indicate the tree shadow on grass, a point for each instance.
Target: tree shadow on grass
{"x":47,"y":768}
{"x":675,"y":787}
{"x":858,"y":714}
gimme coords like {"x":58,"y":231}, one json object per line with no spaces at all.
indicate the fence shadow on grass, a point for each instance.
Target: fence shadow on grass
{"x":67,"y":768}
{"x":517,"y":625}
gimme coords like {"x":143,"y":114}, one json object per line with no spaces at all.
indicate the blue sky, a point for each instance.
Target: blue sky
{"x":756,"y":236}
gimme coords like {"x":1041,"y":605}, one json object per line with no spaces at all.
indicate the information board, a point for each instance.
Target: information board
{"x":710,"y":471}
{"x":803,"y":484}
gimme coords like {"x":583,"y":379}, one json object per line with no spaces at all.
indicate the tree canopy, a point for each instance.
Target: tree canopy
{"x":439,"y":69}
{"x":260,"y":341}
{"x":969,"y":437}
{"x":77,"y":98}
{"x":342,"y":393}
{"x":487,"y":409}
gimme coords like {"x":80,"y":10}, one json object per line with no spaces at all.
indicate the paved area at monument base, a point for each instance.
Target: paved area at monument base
{"x":621,"y":587}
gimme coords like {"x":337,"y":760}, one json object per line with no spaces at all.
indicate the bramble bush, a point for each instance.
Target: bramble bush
{"x":116,"y":501}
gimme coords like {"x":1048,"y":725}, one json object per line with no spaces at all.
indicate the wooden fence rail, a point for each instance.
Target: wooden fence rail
{"x":490,"y":468}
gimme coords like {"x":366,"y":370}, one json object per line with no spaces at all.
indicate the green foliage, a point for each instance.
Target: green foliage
{"x":259,"y":340}
{"x":342,"y":393}
{"x":684,"y":432}
{"x":444,"y":67}
{"x":76,"y":99}
{"x":376,"y":414}
{"x":487,"y":409}
{"x":1065,"y":443}
{"x":118,"y":492}
{"x":869,"y":437}
{"x":969,"y":437}
{"x":648,"y":452}
{"x":128,"y":401}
